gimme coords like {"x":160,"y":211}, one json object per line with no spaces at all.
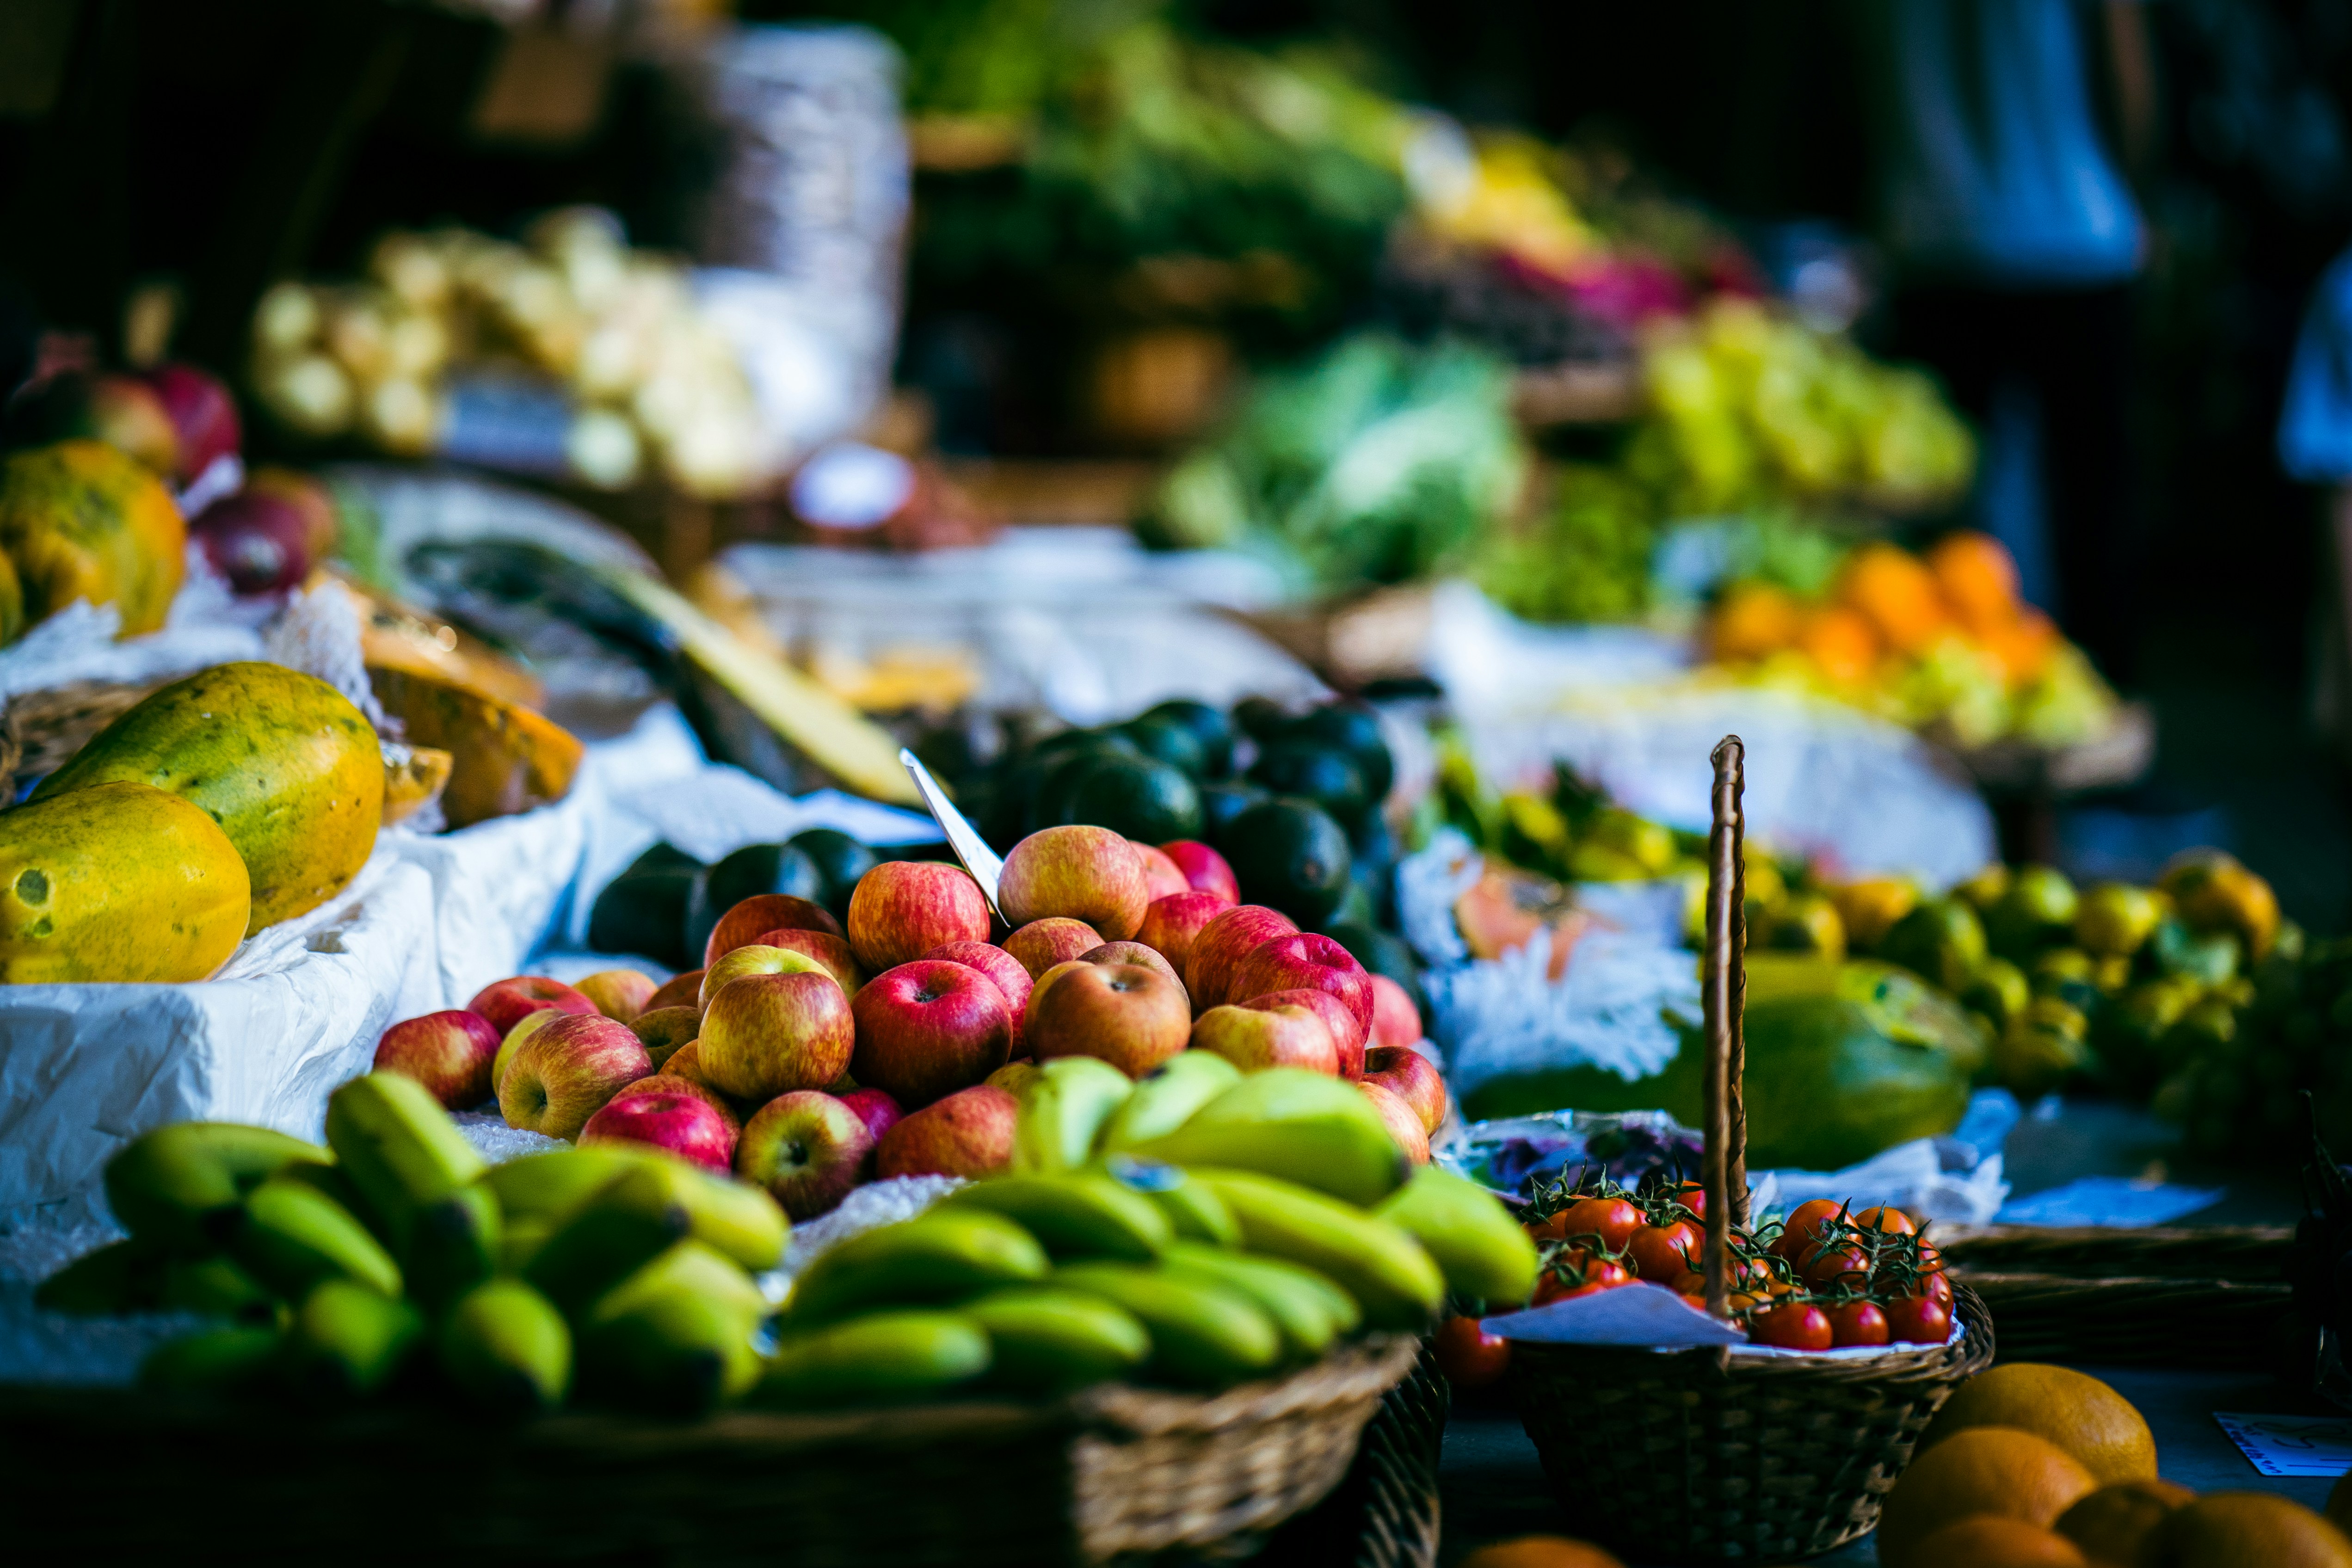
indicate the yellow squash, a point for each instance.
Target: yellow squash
{"x":82,"y":520}
{"x":118,"y":882}
{"x":290,"y":770}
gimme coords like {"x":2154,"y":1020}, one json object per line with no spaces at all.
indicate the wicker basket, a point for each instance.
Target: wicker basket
{"x":41,"y":728}
{"x":1116,"y":1474}
{"x":1384,"y":1512}
{"x":2101,"y":1294}
{"x":1701,"y":1456}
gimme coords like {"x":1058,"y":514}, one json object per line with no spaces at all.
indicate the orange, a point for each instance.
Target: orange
{"x":1752,"y":620}
{"x":2081,"y":1415}
{"x":2245,"y":1529}
{"x":2110,"y":1523}
{"x":1897,"y":595}
{"x":1542,"y":1552}
{"x":1992,"y":1541}
{"x":1842,"y":644}
{"x":2022,"y":646}
{"x":1984,"y":1469}
{"x":1977,"y":577}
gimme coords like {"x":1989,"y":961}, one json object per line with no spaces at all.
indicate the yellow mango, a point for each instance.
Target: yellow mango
{"x":118,"y":882}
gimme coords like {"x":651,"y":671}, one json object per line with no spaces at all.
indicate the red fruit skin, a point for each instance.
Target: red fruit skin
{"x":1857,"y":1322}
{"x":1468,"y":1355}
{"x":1612,"y":1220}
{"x":876,"y":1109}
{"x":676,"y":1122}
{"x":504,"y":1002}
{"x":1003,"y":968}
{"x":1160,"y":875}
{"x":927,"y":1029}
{"x":1057,"y":939}
{"x":742,"y":926}
{"x":1918,"y":1320}
{"x":1222,"y":945}
{"x":1663,"y":1253}
{"x":1395,"y":1020}
{"x":969,"y":1134}
{"x":258,"y":543}
{"x":903,"y":909}
{"x":1306,"y":960}
{"x":1347,"y":1032}
{"x":202,"y":410}
{"x":1795,"y":1326}
{"x":823,"y":946}
{"x":449,"y":1052}
{"x":1205,"y":869}
{"x":1172,"y":924}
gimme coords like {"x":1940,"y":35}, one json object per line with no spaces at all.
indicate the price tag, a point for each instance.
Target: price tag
{"x":2292,"y":1445}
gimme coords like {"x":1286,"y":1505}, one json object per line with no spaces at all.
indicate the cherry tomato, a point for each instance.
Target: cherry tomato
{"x":1612,"y":1220}
{"x":1792,"y":1325}
{"x":1692,"y":1196}
{"x":1662,"y":1252}
{"x":1802,"y":1232}
{"x":1936,"y":1288}
{"x":1826,"y":1266}
{"x":1888,"y":1221}
{"x":1598,"y":1275}
{"x":1918,"y":1320}
{"x":1857,"y":1322}
{"x":1692,"y":1283}
{"x":1590,"y":1289}
{"x":1552,"y":1227}
{"x":1468,"y":1355}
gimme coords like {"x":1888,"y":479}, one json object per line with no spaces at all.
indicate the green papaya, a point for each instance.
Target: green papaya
{"x":117,"y":881}
{"x":290,"y":770}
{"x":1844,"y":1060}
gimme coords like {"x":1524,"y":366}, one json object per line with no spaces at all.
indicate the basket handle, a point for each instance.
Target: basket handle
{"x":1723,"y":994}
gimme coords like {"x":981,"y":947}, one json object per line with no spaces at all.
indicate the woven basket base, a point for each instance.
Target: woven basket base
{"x":1384,"y":1512}
{"x":1698,"y":1456}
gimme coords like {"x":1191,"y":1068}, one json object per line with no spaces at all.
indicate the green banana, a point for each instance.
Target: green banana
{"x":1166,"y":1097}
{"x":519,"y":1241}
{"x":941,"y":1257}
{"x":894,"y":1357}
{"x":1299,"y":1303}
{"x":1062,"y":1111}
{"x":214,"y":1361}
{"x":347,"y":1341}
{"x":738,"y":1218}
{"x":170,"y":1185}
{"x":216,"y":1288}
{"x":1048,"y":1340}
{"x":689,"y":1266}
{"x":453,"y":1245}
{"x":336,"y":1183}
{"x":505,"y":1348}
{"x":1076,"y":1213}
{"x":1203,"y":1334}
{"x":1389,"y":1273}
{"x":1306,"y":1127}
{"x":399,"y":1147}
{"x":652,"y":1203}
{"x":672,"y":1350}
{"x":1192,"y":1211}
{"x":292,"y":1236}
{"x":551,"y":1186}
{"x":1483,"y":1252}
{"x":122,"y":1277}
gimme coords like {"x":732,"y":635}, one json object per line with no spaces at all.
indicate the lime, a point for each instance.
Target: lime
{"x":1941,"y":941}
{"x":2036,"y":912}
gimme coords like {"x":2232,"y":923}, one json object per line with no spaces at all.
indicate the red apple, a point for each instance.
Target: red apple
{"x":1132,"y":1016}
{"x":202,"y":413}
{"x":618,"y":993}
{"x":766,"y":1035}
{"x":678,"y":991}
{"x":679,"y":1121}
{"x":258,"y":543}
{"x":1078,"y":874}
{"x":1403,"y":1125}
{"x":686,"y":1062}
{"x":565,"y":1072}
{"x":807,"y":1149}
{"x":1412,"y":1078}
{"x":903,"y":909}
{"x":525,"y":1027}
{"x":1255,"y":1038}
{"x":1133,"y":953}
{"x":753,"y":959}
{"x":503,"y":1002}
{"x":928,"y":1029}
{"x":1171,"y":923}
{"x":125,"y":413}
{"x":1205,"y":869}
{"x":1395,"y":1020}
{"x":1041,"y":944}
{"x":665,"y":1030}
{"x":312,"y":501}
{"x":765,"y":911}
{"x":449,"y":1052}
{"x":678,"y":1083}
{"x":969,"y":1134}
{"x":1220,"y":947}
{"x":1347,"y":1034}
{"x":876,"y":1109}
{"x":1305,"y":961}
{"x":823,"y":946}
{"x":1010,"y":978}
{"x":1161,"y":876}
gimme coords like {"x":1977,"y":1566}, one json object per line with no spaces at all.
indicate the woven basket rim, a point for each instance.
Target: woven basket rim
{"x":1367,"y":1367}
{"x":1972,"y":1350}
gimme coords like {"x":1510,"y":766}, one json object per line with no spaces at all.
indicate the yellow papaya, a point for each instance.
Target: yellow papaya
{"x":290,"y":770}
{"x":413,"y":777}
{"x":508,"y":759}
{"x":118,"y":882}
{"x":80,"y":520}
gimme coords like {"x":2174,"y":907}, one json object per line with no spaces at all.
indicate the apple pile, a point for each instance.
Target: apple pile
{"x":807,"y":1055}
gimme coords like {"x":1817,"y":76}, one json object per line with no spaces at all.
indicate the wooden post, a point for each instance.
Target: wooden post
{"x":1723,"y":995}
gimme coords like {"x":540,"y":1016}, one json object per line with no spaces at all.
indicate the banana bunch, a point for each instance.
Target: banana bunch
{"x":393,"y":1252}
{"x":1099,"y":1255}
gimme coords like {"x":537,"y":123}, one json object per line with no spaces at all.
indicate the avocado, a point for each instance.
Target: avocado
{"x":1290,"y":855}
{"x":1354,"y":729}
{"x":840,"y":860}
{"x":644,"y":911}
{"x":1207,"y":725}
{"x":1220,"y":804}
{"x":754,"y":869}
{"x":1165,"y":740}
{"x":1314,"y":771}
{"x":1147,"y":802}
